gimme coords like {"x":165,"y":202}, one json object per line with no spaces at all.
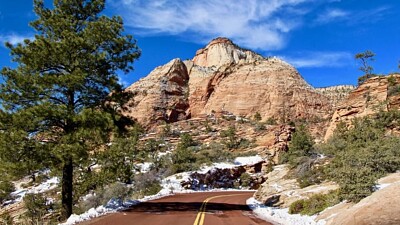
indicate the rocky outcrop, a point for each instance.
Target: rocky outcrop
{"x":373,"y":95}
{"x":275,"y":142}
{"x":382,"y":207}
{"x":336,"y":94}
{"x":222,"y":51}
{"x":278,"y":190}
{"x":160,"y":96}
{"x":226,"y":178}
{"x":223,"y":77}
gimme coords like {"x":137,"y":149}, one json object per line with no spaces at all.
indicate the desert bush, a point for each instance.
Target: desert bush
{"x":259,"y":126}
{"x":315,"y":204}
{"x":214,"y":152}
{"x":184,"y":158}
{"x":271,"y":121}
{"x":147,"y":184}
{"x":230,"y":138}
{"x":257,"y":116}
{"x":37,"y":207}
{"x":6,"y":219}
{"x":310,"y":176}
{"x":103,"y":194}
{"x":163,"y":165}
{"x":245,"y":179}
{"x":6,"y":188}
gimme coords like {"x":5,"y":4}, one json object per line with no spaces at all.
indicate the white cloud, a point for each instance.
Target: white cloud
{"x":352,"y":17}
{"x":320,"y":59}
{"x":13,"y":38}
{"x":332,"y":15}
{"x":257,"y":24}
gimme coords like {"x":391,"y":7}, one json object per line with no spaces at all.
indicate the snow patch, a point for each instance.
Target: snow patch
{"x":281,"y":216}
{"x":249,"y":160}
{"x":144,"y":167}
{"x":20,"y":192}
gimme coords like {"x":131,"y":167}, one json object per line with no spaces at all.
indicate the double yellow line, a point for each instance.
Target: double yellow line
{"x":202,"y":213}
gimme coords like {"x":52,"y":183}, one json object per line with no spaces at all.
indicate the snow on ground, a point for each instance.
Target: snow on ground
{"x":144,"y":167}
{"x":170,"y":185}
{"x":281,"y":216}
{"x":20,"y":192}
{"x":249,"y":160}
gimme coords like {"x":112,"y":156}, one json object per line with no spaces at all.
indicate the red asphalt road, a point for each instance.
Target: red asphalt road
{"x":222,"y":208}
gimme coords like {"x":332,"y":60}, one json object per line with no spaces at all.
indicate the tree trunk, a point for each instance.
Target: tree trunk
{"x":66,"y":191}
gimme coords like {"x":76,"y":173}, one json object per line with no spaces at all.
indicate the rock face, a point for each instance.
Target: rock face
{"x":373,"y":95}
{"x":223,"y":77}
{"x":160,"y":96}
{"x":382,"y":207}
{"x":336,"y":94}
{"x":221,"y":51}
{"x":276,"y":141}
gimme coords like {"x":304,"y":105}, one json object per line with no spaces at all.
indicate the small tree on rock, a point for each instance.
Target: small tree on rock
{"x":365,"y":59}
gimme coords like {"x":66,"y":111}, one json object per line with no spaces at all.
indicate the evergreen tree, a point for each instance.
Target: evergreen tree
{"x":300,"y":146}
{"x":365,"y":59}
{"x":59,"y":94}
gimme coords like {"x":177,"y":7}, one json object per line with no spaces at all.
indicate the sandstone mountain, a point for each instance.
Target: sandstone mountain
{"x":224,"y":77}
{"x":336,"y":94}
{"x":378,"y":93}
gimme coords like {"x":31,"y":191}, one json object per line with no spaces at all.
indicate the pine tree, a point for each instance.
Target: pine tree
{"x":59,"y":94}
{"x":365,"y":59}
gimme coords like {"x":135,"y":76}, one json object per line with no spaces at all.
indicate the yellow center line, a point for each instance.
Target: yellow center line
{"x":202,"y":212}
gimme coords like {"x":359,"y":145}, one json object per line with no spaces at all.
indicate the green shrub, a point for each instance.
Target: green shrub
{"x":183,"y":159}
{"x":230,"y":138}
{"x":362,"y":154}
{"x":214,"y":152}
{"x":6,"y":219}
{"x":259,"y":127}
{"x":103,"y":194}
{"x":257,"y":117}
{"x":6,"y":187}
{"x":315,"y":204}
{"x":245,"y":179}
{"x":186,"y":141}
{"x":37,"y":207}
{"x":310,"y":176}
{"x":271,"y":121}
{"x":300,"y":147}
{"x":147,"y":184}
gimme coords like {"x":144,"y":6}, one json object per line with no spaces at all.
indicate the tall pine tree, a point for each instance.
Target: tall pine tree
{"x":58,"y":96}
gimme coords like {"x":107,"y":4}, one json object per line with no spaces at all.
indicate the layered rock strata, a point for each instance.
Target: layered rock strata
{"x":223,"y":77}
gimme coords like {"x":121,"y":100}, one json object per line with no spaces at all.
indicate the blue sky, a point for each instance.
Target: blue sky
{"x":318,"y":37}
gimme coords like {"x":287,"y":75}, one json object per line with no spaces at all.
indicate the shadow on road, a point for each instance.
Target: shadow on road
{"x":184,"y":206}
